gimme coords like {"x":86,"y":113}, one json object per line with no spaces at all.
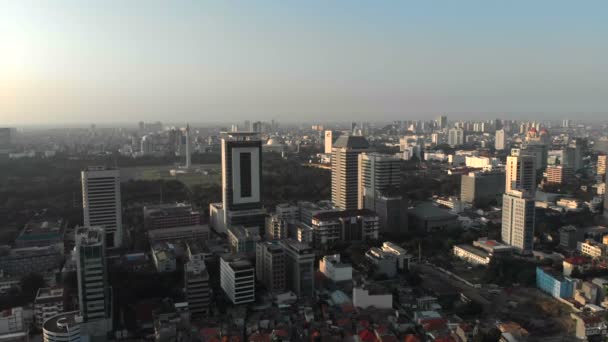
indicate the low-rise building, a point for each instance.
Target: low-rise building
{"x":403,"y":258}
{"x":182,"y":233}
{"x":590,"y":326}
{"x":170,"y":215}
{"x":482,"y":251}
{"x":48,"y":303}
{"x":347,"y":225}
{"x":242,"y":239}
{"x":12,"y":321}
{"x":19,"y":261}
{"x":569,"y":204}
{"x":65,"y":326}
{"x":472,"y":255}
{"x":579,"y":264}
{"x":42,"y":232}
{"x":334,"y":269}
{"x":428,"y":217}
{"x":384,"y":262}
{"x":371,"y":295}
{"x":163,"y":255}
{"x":553,"y":283}
{"x":592,"y":248}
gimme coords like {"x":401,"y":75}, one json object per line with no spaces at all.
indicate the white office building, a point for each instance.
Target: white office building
{"x":455,"y":137}
{"x":237,"y":279}
{"x":334,"y":269}
{"x":518,"y":220}
{"x":101,"y":202}
{"x":500,"y":142}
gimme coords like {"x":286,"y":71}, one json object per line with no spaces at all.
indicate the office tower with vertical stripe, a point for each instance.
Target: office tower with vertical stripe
{"x":101,"y":202}
{"x":345,"y":169}
{"x":93,"y":291}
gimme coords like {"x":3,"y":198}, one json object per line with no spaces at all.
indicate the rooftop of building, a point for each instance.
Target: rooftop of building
{"x":241,"y":136}
{"x":428,"y":210}
{"x":63,"y":322}
{"x":355,"y":142}
{"x":167,"y":209}
{"x":89,"y":236}
{"x":491,"y":245}
{"x":196,"y":268}
{"x":553,"y":273}
{"x":237,"y":262}
{"x":344,"y":214}
{"x":241,"y":232}
{"x":42,"y":227}
{"x":197,"y":247}
{"x":273,"y":246}
{"x":48,"y":293}
{"x":381,"y":156}
{"x":296,"y":245}
{"x":578,"y":260}
{"x":475,"y":250}
{"x":164,"y":251}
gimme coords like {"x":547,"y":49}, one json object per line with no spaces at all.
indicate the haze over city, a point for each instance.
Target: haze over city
{"x":105,"y":61}
{"x":315,"y":171}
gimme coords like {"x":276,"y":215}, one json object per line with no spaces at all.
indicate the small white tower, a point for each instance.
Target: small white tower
{"x":188,"y":161}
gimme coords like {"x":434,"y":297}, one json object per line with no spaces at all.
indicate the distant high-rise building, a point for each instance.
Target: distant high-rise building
{"x":188,"y":147}
{"x":520,"y":174}
{"x":481,"y":188}
{"x":574,"y":154}
{"x":379,"y":183}
{"x":606,"y":199}
{"x":270,"y":265}
{"x":566,"y":123}
{"x":539,"y":152}
{"x":344,"y":170}
{"x":442,"y":122}
{"x":455,"y":137}
{"x":91,"y":269}
{"x":501,"y":140}
{"x":299,"y":267}
{"x":241,"y":183}
{"x":378,"y":173}
{"x":601,"y":164}
{"x":518,"y":219}
{"x":328,"y":142}
{"x":559,"y":174}
{"x":101,"y":202}
{"x":256,"y":127}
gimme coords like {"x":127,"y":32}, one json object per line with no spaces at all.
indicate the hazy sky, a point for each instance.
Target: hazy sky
{"x":209,"y":61}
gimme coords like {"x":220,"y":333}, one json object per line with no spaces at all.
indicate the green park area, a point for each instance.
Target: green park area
{"x":203,"y":174}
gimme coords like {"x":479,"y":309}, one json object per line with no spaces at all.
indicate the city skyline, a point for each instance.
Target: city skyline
{"x":67,"y":63}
